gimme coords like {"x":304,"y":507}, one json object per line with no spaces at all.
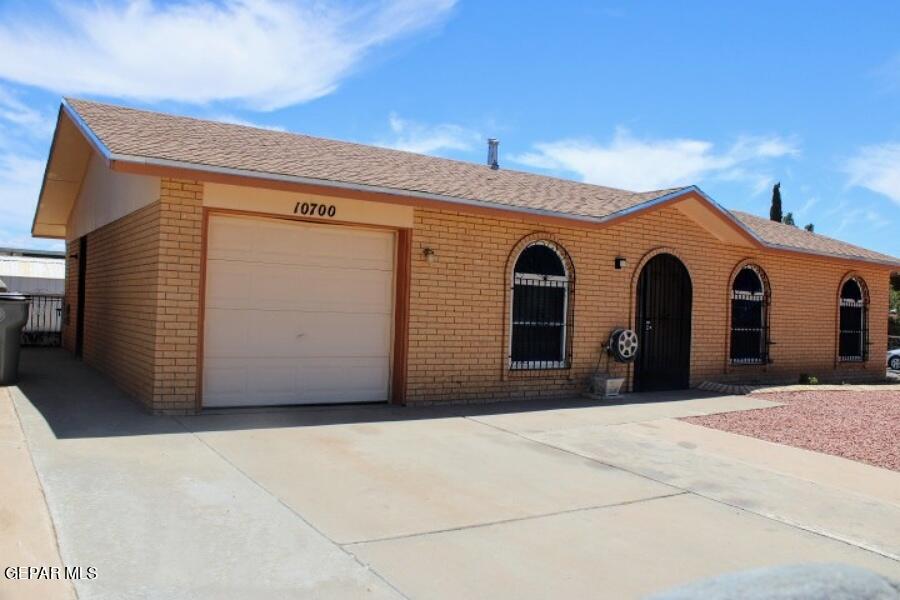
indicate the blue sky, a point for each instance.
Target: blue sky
{"x":729,"y":96}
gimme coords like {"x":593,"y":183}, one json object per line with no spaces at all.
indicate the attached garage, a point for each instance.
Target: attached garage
{"x":296,"y":313}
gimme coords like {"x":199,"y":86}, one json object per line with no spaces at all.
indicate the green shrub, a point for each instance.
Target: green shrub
{"x":806,"y":379}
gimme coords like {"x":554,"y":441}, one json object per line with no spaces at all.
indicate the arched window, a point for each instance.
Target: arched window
{"x":749,"y":317}
{"x":540,"y":308}
{"x":853,"y":340}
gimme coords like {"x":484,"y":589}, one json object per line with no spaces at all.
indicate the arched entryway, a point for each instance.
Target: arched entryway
{"x":663,"y":323}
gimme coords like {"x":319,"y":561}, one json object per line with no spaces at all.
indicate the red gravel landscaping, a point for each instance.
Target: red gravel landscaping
{"x":863,"y":426}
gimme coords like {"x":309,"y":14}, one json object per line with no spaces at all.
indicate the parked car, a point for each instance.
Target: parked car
{"x":893,"y":359}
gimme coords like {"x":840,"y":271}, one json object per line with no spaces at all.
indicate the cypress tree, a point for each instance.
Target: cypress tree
{"x":775,"y":212}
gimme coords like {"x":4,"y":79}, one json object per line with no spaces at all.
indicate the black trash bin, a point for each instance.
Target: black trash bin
{"x":13,"y":316}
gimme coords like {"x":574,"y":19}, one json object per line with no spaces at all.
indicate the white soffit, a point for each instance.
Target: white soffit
{"x":66,"y":167}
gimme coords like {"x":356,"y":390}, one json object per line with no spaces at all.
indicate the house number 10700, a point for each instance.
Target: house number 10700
{"x":314,"y":209}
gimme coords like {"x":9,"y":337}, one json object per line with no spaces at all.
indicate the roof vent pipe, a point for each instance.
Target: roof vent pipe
{"x":493,"y":153}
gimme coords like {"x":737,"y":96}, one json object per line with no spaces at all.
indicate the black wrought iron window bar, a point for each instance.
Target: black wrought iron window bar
{"x":540,"y":312}
{"x":853,"y":332}
{"x":749,"y":319}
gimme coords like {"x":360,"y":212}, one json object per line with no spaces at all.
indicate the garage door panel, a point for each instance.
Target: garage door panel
{"x":348,"y":249}
{"x":320,"y":289}
{"x":365,"y":380}
{"x":237,"y":382}
{"x":294,"y":287}
{"x":228,"y":284}
{"x":306,"y":335}
{"x":227,"y":333}
{"x":275,"y":379}
{"x":272,"y":334}
{"x":264,"y":241}
{"x":347,"y":291}
{"x":223,"y":379}
{"x":229,"y":239}
{"x":296,"y":313}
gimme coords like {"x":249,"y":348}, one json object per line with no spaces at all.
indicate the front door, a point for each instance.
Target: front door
{"x":664,"y":297}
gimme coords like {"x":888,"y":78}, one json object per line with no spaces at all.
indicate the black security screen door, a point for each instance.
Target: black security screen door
{"x":663,"y":325}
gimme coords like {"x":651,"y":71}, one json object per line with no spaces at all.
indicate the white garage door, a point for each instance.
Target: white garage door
{"x":296,"y":313}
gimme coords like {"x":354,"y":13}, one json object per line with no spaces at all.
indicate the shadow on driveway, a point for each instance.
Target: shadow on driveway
{"x":77,"y":401}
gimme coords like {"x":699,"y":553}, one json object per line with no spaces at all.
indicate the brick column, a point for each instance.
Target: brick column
{"x":178,"y":297}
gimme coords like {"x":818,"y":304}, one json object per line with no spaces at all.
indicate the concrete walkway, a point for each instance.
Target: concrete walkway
{"x":27,"y":538}
{"x":566,"y":499}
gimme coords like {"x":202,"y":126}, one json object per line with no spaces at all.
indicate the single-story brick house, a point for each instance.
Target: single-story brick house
{"x":211,"y":264}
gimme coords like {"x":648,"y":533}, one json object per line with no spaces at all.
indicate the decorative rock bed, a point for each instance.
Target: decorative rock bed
{"x":857,"y":422}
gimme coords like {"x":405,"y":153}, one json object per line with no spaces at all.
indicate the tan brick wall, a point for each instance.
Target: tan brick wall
{"x":120,"y":309}
{"x":142,"y":299}
{"x":459,"y":305}
{"x":143,"y":303}
{"x":70,"y":296}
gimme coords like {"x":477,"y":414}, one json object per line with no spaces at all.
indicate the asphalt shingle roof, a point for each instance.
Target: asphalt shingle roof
{"x":155,"y":135}
{"x":779,"y":234}
{"x":138,"y":133}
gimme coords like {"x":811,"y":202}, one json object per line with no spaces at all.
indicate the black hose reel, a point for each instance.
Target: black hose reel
{"x":623,"y":345}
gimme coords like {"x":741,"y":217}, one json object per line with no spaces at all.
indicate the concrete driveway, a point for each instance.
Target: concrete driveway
{"x":569,"y":499}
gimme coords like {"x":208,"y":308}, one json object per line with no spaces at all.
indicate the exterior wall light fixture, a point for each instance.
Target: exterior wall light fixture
{"x":621,"y":262}
{"x":429,"y":255}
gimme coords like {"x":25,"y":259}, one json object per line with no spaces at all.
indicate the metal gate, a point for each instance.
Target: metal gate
{"x":664,"y":298}
{"x":44,"y":326}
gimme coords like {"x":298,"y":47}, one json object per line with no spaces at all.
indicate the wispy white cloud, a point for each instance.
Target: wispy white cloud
{"x":429,"y":139}
{"x":17,"y":113}
{"x":807,"y":206}
{"x":23,"y":132}
{"x":632,"y":163}
{"x":851,"y":217}
{"x":847,"y":214}
{"x":877,"y":168}
{"x":20,"y":183}
{"x":265,"y":54}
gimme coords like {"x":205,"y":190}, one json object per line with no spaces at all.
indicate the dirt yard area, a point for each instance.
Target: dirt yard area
{"x":859,"y":425}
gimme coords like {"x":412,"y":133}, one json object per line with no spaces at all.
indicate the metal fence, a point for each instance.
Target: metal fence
{"x":44,"y":326}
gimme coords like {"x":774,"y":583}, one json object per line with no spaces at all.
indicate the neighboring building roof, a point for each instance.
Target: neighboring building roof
{"x":787,"y":236}
{"x":32,"y":252}
{"x":150,"y":138}
{"x":33,"y":266}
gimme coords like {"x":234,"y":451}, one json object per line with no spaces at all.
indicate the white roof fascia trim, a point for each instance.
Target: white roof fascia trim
{"x":85,"y":129}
